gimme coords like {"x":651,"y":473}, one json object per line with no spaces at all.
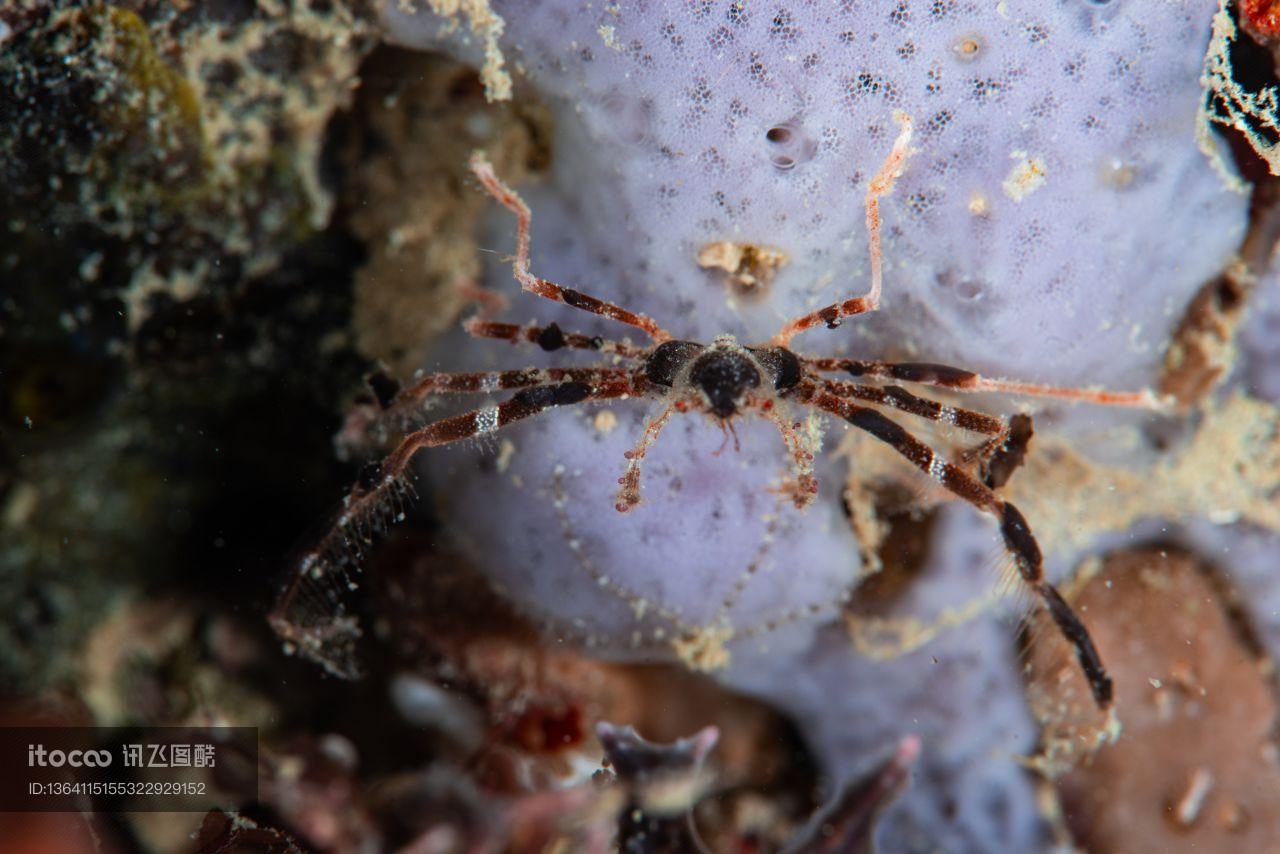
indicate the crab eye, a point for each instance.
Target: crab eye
{"x":780,"y":364}
{"x":668,"y":359}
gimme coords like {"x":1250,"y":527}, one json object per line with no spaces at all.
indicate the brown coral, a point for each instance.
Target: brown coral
{"x":1194,"y":764}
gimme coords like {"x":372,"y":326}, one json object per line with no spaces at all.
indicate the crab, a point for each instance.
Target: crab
{"x":724,"y":380}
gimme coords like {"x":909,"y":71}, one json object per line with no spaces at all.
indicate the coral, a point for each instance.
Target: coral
{"x":541,"y":700}
{"x":1190,"y":678}
{"x":181,"y":149}
{"x":115,"y":465}
{"x":518,"y":728}
{"x":405,"y":143}
{"x":1086,"y":113}
{"x":50,"y":601}
{"x":1253,"y":113}
{"x":961,"y":696}
{"x":487,"y":26}
{"x":157,"y":163}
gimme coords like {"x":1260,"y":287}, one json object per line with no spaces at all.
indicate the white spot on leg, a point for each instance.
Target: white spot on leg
{"x":937,"y":468}
{"x":486,"y":420}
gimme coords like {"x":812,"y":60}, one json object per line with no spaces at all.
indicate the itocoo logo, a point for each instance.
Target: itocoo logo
{"x":38,"y":756}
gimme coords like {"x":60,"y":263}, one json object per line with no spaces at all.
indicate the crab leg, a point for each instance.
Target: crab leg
{"x":507,"y":197}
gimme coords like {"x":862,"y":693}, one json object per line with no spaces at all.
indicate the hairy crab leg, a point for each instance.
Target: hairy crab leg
{"x":405,"y":410}
{"x":489,"y":419}
{"x":550,"y":338}
{"x":507,"y":197}
{"x":309,"y":613}
{"x":998,"y":457}
{"x":959,"y":379}
{"x":902,"y":400}
{"x":1018,"y":539}
{"x":486,"y":382}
